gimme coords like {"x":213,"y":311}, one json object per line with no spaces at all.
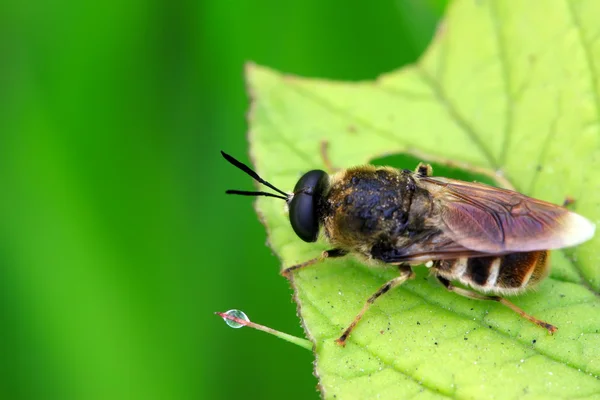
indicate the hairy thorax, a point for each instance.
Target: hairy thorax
{"x":374,"y":207}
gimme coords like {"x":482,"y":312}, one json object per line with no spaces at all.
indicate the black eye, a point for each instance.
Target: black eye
{"x":303,"y":207}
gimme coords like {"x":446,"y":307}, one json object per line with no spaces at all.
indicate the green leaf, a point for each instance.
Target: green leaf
{"x":511,"y":87}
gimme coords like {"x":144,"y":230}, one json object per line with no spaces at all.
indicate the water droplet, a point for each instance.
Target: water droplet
{"x":237,"y":314}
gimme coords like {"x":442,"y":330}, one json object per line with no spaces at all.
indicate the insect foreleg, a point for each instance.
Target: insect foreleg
{"x":477,"y":296}
{"x":405,"y":274}
{"x":333,"y":253}
{"x":325,"y":156}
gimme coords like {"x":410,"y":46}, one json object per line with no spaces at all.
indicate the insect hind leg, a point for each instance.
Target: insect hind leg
{"x":424,"y":170}
{"x":478,"y":296}
{"x":405,"y":274}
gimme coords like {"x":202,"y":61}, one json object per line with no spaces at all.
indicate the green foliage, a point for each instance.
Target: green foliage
{"x":505,"y":87}
{"x":117,"y":242}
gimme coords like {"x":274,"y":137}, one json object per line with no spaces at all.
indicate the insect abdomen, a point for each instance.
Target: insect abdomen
{"x":509,"y":274}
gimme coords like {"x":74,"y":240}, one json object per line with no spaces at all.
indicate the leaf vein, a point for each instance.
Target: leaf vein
{"x":384,"y":134}
{"x":459,"y":119}
{"x":523,"y":343}
{"x":506,"y":78}
{"x":569,"y":255}
{"x":588,"y":55}
{"x":544,"y":148}
{"x":384,"y":361}
{"x":289,"y":143}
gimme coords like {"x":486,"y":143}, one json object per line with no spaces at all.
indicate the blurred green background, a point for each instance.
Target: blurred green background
{"x":117,"y":242}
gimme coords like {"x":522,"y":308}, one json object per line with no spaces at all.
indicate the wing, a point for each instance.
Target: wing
{"x":486,"y":219}
{"x":419,"y":251}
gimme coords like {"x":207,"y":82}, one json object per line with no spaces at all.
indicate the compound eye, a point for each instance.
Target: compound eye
{"x":303,"y":207}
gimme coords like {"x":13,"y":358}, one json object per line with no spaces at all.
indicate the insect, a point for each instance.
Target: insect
{"x":493,"y":240}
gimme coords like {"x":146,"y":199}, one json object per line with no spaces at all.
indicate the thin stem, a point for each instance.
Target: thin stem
{"x":289,"y":338}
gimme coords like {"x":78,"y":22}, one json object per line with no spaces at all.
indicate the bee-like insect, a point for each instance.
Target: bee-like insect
{"x":494,"y":240}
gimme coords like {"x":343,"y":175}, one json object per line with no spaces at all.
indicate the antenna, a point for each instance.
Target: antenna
{"x":255,"y":176}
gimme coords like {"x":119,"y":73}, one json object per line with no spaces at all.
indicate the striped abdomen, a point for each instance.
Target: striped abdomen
{"x":509,"y":274}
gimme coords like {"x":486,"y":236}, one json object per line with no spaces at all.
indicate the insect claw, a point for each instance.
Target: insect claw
{"x":551,"y":328}
{"x":285,"y":273}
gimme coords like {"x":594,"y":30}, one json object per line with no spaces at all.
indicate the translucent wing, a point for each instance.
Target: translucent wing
{"x":486,"y":219}
{"x":440,"y":248}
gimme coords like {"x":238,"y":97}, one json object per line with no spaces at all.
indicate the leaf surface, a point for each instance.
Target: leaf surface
{"x":511,"y":87}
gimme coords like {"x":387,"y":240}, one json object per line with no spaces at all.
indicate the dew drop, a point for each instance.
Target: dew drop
{"x":237,"y":314}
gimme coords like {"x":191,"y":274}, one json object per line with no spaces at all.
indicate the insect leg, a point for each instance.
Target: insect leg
{"x":424,"y":169}
{"x":568,"y":201}
{"x":405,"y":274}
{"x":325,"y":156}
{"x":477,"y":296}
{"x":333,"y":253}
